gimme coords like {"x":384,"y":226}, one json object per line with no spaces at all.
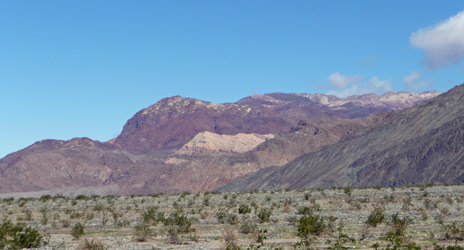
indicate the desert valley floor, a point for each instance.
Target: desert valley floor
{"x":428,"y":217}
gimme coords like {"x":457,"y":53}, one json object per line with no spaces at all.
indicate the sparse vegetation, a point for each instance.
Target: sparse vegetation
{"x":264,"y":215}
{"x":19,"y":236}
{"x":77,"y":230}
{"x":281,"y":219}
{"x":142,"y":232}
{"x":376,"y":217}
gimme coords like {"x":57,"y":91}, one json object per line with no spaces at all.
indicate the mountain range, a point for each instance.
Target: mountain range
{"x":423,"y":144}
{"x":188,"y":145}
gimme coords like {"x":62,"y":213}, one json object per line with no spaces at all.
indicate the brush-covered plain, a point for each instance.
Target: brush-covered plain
{"x":420,"y":217}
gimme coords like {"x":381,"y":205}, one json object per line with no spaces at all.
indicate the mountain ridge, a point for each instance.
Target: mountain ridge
{"x":143,"y":158}
{"x":154,"y":127}
{"x":411,"y":147}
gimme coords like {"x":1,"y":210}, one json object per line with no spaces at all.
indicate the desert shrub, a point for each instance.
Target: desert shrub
{"x":307,"y":196}
{"x":340,"y":240}
{"x":247,"y":227}
{"x":399,"y":242}
{"x":122,"y":223}
{"x":92,"y":245}
{"x":82,"y":197}
{"x":232,"y":219}
{"x":438,"y":247}
{"x":8,"y":200}
{"x":399,"y":224}
{"x":177,"y":224}
{"x":76,"y":215}
{"x":449,"y":200}
{"x":311,"y":224}
{"x":45,"y":198}
{"x":142,"y":232}
{"x":99,"y":207}
{"x":376,"y":217}
{"x":153,"y":216}
{"x":65,"y":223}
{"x":307,"y":210}
{"x":453,"y":231}
{"x":347,"y":191}
{"x":28,"y":214}
{"x":206,"y":201}
{"x":244,"y":209}
{"x":253,"y":204}
{"x":221,"y":216}
{"x":224,"y":217}
{"x":77,"y":230}
{"x":261,"y":235}
{"x":230,"y":240}
{"x":44,"y":219}
{"x":264,"y":215}
{"x":19,"y":236}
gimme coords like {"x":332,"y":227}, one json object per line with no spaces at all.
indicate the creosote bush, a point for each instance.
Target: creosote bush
{"x":230,"y":240}
{"x":177,"y":224}
{"x":142,"y":232}
{"x":399,"y":224}
{"x":341,"y":240}
{"x":311,"y":224}
{"x":376,"y":217}
{"x":92,"y":245}
{"x":264,"y":215}
{"x":244,"y":209}
{"x":19,"y":236}
{"x":77,"y":230}
{"x":248,"y":227}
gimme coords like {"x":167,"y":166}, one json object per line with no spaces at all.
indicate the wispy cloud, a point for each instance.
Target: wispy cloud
{"x":443,"y":43}
{"x":413,"y":83}
{"x":357,"y":85}
{"x":340,"y":81}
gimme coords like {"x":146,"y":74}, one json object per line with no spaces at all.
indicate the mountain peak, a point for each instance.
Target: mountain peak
{"x":177,"y":103}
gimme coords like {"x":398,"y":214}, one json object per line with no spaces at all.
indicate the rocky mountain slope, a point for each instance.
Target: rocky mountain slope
{"x":161,"y":148}
{"x":172,"y":122}
{"x":204,"y":172}
{"x":419,"y":145}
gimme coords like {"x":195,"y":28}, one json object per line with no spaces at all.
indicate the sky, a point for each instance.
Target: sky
{"x":83,"y":68}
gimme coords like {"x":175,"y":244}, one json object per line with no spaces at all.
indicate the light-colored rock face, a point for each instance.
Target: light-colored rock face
{"x":212,"y":142}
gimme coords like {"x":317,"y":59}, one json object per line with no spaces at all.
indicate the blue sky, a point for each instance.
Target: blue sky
{"x":82,"y":68}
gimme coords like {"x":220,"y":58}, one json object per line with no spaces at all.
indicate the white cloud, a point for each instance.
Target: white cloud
{"x":411,"y":77}
{"x":443,"y":43}
{"x":340,"y":81}
{"x":411,"y":82}
{"x":359,"y":87}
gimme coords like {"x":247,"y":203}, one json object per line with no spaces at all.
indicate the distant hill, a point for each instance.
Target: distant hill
{"x":418,"y":145}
